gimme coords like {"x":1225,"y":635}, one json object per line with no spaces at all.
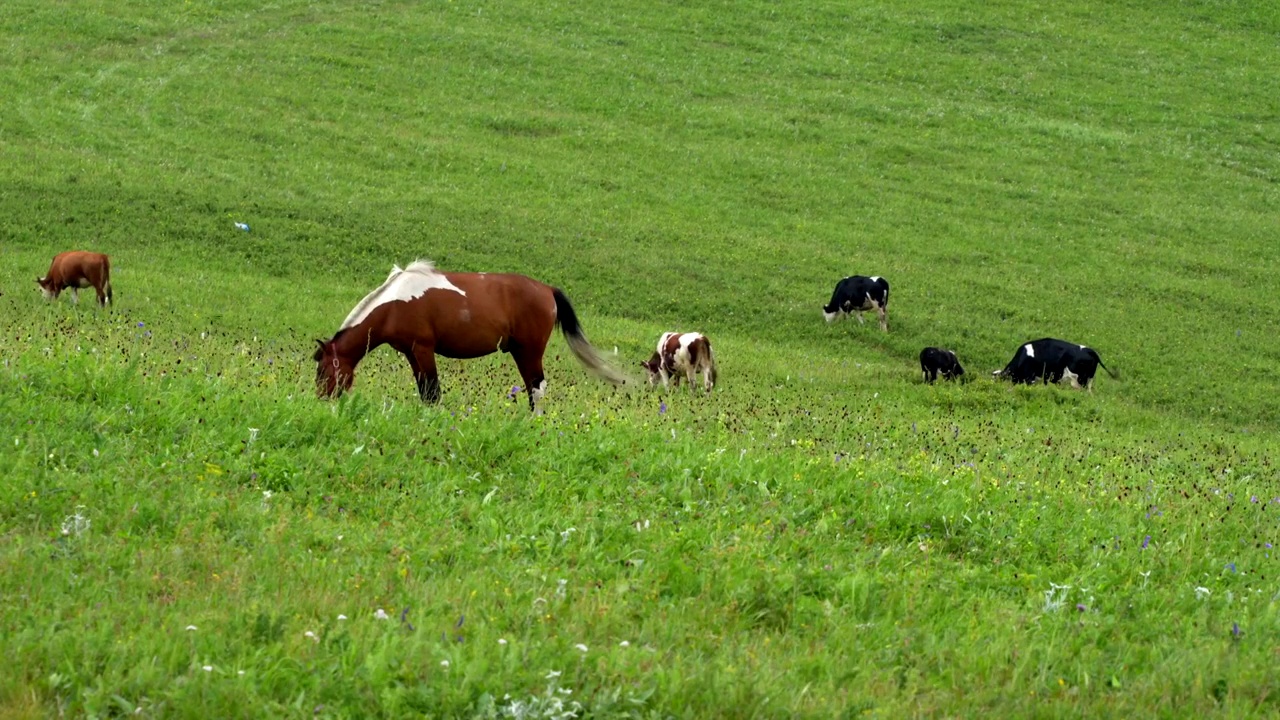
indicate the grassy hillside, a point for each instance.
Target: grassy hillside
{"x":826,"y":536}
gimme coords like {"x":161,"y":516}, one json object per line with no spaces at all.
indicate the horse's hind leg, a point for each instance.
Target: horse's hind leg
{"x":423,"y":362}
{"x":529,"y":363}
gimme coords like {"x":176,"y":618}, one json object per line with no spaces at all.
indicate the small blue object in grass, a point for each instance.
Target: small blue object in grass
{"x":242,"y":226}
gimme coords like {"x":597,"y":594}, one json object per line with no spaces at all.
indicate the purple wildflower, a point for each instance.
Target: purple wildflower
{"x":141,"y":324}
{"x":1146,"y":541}
{"x":662,"y":408}
{"x":1081,"y":607}
{"x":1235,"y":629}
{"x":1253,"y":499}
{"x":1231,"y":566}
{"x":515,"y":390}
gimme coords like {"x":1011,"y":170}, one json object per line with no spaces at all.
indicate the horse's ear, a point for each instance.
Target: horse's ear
{"x":319,"y":351}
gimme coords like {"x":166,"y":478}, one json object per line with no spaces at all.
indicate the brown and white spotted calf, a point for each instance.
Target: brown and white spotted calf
{"x":78,"y":269}
{"x":682,"y":354}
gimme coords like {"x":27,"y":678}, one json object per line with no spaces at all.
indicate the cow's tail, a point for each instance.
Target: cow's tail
{"x":1094,"y":354}
{"x":106,"y":281}
{"x":590,"y":358}
{"x":715,"y":371}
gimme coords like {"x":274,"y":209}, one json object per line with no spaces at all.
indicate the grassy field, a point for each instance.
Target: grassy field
{"x":186,"y":531}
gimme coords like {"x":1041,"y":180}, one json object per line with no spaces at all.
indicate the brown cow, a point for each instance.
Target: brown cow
{"x":682,"y":354}
{"x":78,"y":269}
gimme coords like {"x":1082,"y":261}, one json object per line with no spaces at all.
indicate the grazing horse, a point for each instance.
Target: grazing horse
{"x":422,"y":312}
{"x":78,"y":269}
{"x":682,"y":354}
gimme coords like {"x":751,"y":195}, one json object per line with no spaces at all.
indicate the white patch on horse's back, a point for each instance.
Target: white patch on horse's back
{"x":875,"y":278}
{"x":1082,"y":347}
{"x":1031,"y":352}
{"x":407,"y":284}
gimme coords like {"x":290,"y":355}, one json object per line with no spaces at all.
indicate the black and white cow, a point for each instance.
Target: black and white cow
{"x":857,"y":293}
{"x":936,"y":360}
{"x":1048,"y":360}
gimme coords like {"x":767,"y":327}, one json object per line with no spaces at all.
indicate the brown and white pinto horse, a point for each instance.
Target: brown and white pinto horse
{"x":78,"y":269}
{"x":682,"y":354}
{"x":422,"y":312}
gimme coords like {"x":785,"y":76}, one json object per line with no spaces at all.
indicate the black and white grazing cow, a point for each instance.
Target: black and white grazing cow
{"x":682,"y":354}
{"x":857,"y":293}
{"x":936,"y":360}
{"x":1048,"y":360}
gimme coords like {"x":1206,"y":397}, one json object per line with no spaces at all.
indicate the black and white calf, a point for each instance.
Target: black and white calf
{"x":857,"y":293}
{"x":936,"y":360}
{"x":1048,"y":360}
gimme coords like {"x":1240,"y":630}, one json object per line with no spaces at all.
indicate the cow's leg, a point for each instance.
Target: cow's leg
{"x":883,"y":312}
{"x":102,"y":296}
{"x":422,"y":359}
{"x":860,"y":320}
{"x":529,"y":363}
{"x":75,"y":295}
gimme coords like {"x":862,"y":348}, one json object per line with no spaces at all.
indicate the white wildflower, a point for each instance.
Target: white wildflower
{"x":191,"y":628}
{"x":581,"y":647}
{"x":1202,"y":593}
{"x":342,"y":617}
{"x":381,"y":614}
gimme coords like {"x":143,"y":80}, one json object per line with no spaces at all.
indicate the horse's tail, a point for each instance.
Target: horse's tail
{"x":586,"y":353}
{"x":1097,"y":357}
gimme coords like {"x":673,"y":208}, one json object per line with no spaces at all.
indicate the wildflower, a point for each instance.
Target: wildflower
{"x":239,"y":672}
{"x":1202,"y":593}
{"x":266,"y":494}
{"x":1145,"y":541}
{"x":342,"y":617}
{"x":581,"y":647}
{"x":141,"y":324}
{"x":253,"y":434}
{"x":502,"y":641}
{"x":662,"y":408}
{"x":1081,"y":607}
{"x":444,"y":664}
{"x":553,"y":674}
{"x":191,"y":628}
{"x":1235,"y":630}
{"x":311,"y":635}
{"x":624,"y":643}
{"x":75,"y":524}
{"x":208,"y":668}
{"x":565,"y":535}
{"x":381,"y":614}
{"x":515,"y":390}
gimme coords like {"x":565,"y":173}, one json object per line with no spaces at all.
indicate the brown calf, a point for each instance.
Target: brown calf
{"x":682,"y":354}
{"x":78,"y":269}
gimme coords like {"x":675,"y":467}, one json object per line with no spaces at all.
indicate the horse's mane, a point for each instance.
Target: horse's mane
{"x":401,"y":284}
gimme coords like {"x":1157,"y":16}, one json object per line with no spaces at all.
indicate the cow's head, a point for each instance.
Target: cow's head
{"x":652,"y":365}
{"x":46,"y":287}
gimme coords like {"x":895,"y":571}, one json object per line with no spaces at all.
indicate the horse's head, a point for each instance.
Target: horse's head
{"x":652,"y":365}
{"x":334,"y":373}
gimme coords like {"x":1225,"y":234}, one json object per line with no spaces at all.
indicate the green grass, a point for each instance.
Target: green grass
{"x":824,"y":537}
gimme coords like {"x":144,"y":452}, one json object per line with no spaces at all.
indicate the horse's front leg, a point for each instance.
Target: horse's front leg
{"x":423,"y":362}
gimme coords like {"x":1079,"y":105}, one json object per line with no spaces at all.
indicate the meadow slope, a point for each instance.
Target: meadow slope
{"x":185,"y":531}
